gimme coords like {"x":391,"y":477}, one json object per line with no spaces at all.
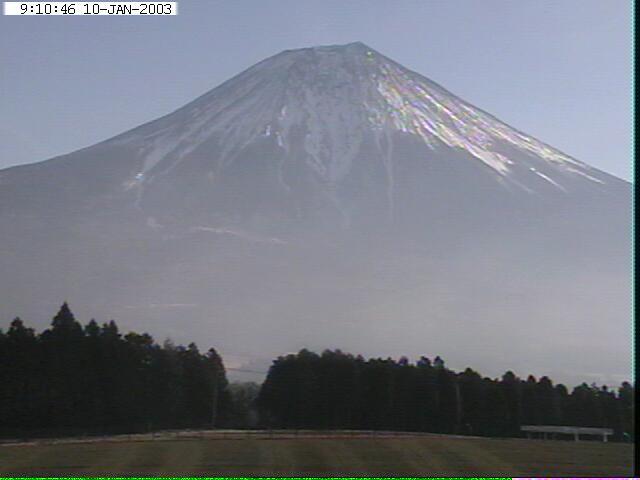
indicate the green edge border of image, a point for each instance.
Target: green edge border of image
{"x":243,"y":478}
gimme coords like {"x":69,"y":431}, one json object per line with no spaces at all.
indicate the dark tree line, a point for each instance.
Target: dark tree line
{"x":92,"y":379}
{"x":75,"y":379}
{"x":341,"y":391}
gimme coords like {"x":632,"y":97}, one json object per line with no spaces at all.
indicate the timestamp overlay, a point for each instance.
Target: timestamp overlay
{"x":90,"y":8}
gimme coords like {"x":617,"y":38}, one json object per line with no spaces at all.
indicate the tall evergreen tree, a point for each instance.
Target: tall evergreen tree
{"x":75,"y":379}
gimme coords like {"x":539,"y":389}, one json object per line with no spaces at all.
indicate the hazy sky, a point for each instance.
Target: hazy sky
{"x":558,"y":70}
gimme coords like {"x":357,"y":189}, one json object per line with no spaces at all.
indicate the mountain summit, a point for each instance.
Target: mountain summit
{"x":326,"y":192}
{"x":338,"y":133}
{"x":329,"y":117}
{"x":336,"y":96}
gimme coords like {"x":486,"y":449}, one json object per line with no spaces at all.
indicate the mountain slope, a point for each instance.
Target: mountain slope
{"x":329,"y":193}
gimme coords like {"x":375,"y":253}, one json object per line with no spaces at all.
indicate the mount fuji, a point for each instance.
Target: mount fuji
{"x":329,"y":197}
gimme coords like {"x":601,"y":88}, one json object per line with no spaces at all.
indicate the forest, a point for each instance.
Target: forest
{"x":74,"y":379}
{"x":339,"y":390}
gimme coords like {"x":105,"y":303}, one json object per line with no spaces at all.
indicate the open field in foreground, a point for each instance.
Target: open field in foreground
{"x":317,"y":455}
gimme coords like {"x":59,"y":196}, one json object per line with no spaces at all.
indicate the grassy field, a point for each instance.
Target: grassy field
{"x":315,"y":455}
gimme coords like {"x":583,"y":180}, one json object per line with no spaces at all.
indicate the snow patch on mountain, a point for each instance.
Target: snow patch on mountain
{"x":234,"y":232}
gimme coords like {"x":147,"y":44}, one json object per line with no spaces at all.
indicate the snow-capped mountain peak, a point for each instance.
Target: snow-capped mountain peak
{"x":325,"y":102}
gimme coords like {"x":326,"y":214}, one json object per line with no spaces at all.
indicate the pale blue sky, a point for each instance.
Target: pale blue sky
{"x":558,"y":70}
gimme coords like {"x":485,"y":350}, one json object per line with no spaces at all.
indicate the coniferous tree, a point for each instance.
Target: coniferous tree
{"x":626,"y":395}
{"x":74,"y":379}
